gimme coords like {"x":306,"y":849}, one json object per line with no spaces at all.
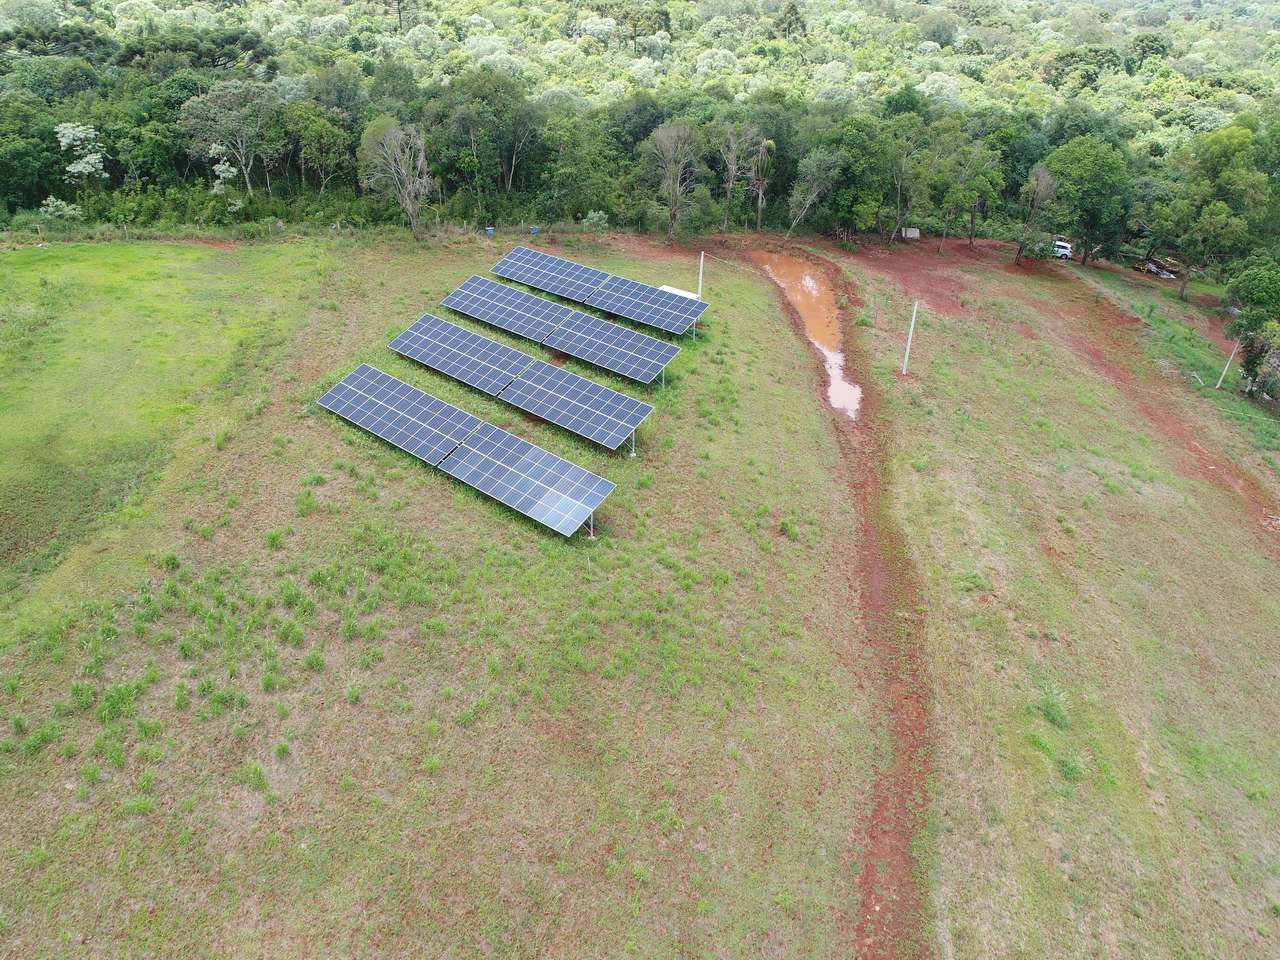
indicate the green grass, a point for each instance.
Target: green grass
{"x":1171,"y":337}
{"x":1100,"y":625}
{"x":110,"y":358}
{"x":305,"y":677}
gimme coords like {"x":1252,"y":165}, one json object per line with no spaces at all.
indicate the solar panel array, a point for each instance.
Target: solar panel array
{"x":562,"y":328}
{"x":577,"y":404}
{"x":527,"y":478}
{"x":507,"y":308}
{"x":558,"y":396}
{"x":402,"y":415}
{"x":536,"y":482}
{"x":641,"y":302}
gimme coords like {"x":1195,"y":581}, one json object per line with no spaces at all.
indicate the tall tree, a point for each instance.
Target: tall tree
{"x":242,"y":116}
{"x":1256,"y":292}
{"x":737,"y":146}
{"x":814,"y":179}
{"x":913,"y":151}
{"x":1037,"y":194}
{"x":323,"y":146}
{"x":1094,"y":181}
{"x":969,"y":178}
{"x":674,"y":148}
{"x":760,"y":175}
{"x":790,"y":22}
{"x":393,"y":162}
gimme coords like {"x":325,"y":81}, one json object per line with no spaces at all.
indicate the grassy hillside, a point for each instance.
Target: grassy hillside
{"x":1099,"y":552}
{"x":270,"y":687}
{"x":295,"y":692}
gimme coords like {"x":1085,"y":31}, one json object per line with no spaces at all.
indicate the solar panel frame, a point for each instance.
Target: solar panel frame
{"x":612,"y":346}
{"x":404,"y":416}
{"x":475,"y":360}
{"x":643,"y":303}
{"x":577,"y":404}
{"x":601,"y":342}
{"x":507,"y":308}
{"x":546,"y":271}
{"x":535,"y":482}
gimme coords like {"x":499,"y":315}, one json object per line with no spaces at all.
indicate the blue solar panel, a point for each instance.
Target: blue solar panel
{"x":569,"y":331}
{"x":612,"y":346}
{"x":555,"y":395}
{"x":577,"y":404}
{"x":663,"y":309}
{"x":544,"y":271}
{"x":400,"y":414}
{"x":527,"y":478}
{"x":505,"y":307}
{"x":483,"y":363}
{"x":534,"y":481}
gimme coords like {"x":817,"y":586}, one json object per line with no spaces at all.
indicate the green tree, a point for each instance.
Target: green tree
{"x":790,"y":22}
{"x":1256,"y":292}
{"x":393,"y":163}
{"x":323,"y":146}
{"x":815,"y":177}
{"x":1037,"y":194}
{"x":673,"y":148}
{"x":1094,"y":180}
{"x":761,"y":171}
{"x":29,"y":155}
{"x":969,"y":178}
{"x":240,"y":115}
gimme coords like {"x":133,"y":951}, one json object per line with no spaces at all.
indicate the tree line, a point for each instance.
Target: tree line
{"x":200,"y":126}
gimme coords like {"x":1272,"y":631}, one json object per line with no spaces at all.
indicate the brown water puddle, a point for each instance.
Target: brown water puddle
{"x":815,"y":302}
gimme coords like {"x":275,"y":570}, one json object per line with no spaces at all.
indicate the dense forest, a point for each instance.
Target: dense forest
{"x":1139,"y":127}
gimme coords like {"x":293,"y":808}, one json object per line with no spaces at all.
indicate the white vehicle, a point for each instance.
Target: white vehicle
{"x":1062,"y":250}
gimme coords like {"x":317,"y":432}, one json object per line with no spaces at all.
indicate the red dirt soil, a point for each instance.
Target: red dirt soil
{"x":889,"y":924}
{"x":1103,"y":335}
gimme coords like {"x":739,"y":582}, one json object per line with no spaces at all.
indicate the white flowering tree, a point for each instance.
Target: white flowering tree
{"x":88,"y":158}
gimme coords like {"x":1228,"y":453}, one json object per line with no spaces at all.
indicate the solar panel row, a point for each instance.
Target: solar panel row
{"x":558,"y":396}
{"x":645,"y":304}
{"x":641,"y":302}
{"x":536,"y":482}
{"x":483,"y":363}
{"x":569,"y":331}
{"x":545,"y":271}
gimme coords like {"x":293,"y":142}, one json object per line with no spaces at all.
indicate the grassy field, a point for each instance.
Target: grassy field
{"x":271,"y":687}
{"x":1102,"y":618}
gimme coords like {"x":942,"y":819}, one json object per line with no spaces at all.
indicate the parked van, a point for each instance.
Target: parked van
{"x":1062,"y":249}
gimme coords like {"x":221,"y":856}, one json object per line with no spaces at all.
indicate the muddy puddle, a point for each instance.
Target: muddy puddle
{"x":815,"y":301}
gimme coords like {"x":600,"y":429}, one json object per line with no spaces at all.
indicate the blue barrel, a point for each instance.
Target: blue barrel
{"x":533,"y":231}
{"x":488,"y":231}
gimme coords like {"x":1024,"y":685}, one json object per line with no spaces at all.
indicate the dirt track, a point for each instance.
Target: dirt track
{"x":889,"y":918}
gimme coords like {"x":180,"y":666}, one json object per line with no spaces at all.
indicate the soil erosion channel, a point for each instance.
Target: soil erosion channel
{"x":890,"y":919}
{"x":815,"y":302}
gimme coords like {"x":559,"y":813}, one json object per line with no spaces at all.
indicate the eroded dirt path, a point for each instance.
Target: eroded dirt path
{"x":889,"y":921}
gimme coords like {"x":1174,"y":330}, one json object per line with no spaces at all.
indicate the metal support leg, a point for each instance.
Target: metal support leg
{"x":633,"y":443}
{"x":591,"y":526}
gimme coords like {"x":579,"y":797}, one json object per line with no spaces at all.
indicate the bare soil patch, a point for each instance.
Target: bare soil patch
{"x":889,"y":922}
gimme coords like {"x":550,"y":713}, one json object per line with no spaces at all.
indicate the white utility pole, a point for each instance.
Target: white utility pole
{"x":702,"y":260}
{"x":1218,"y":385}
{"x":906,"y":357}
